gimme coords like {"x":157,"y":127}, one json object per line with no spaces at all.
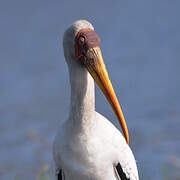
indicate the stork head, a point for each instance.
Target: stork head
{"x":82,"y":45}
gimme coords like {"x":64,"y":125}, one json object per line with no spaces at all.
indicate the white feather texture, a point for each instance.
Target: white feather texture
{"x":87,"y":145}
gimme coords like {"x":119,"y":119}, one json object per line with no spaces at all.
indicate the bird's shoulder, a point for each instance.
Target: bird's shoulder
{"x":58,"y":144}
{"x":107,"y":130}
{"x":121,"y":150}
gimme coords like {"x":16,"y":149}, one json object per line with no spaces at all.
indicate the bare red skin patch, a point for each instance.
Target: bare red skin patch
{"x":85,"y":39}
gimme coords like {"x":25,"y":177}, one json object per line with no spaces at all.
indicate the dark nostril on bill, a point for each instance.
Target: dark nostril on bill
{"x":91,"y":61}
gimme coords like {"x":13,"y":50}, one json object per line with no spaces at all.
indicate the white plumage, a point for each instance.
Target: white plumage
{"x":87,"y":145}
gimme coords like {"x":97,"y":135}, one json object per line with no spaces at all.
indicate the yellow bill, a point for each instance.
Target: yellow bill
{"x":96,"y":67}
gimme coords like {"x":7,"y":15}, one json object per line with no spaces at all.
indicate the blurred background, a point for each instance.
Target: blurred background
{"x":140,"y":43}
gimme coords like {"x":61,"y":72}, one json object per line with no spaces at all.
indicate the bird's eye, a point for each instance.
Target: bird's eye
{"x":81,"y":40}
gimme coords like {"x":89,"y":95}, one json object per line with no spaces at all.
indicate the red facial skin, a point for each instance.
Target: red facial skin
{"x":85,"y":39}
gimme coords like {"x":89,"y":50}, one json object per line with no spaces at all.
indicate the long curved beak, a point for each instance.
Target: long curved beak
{"x":96,"y":67}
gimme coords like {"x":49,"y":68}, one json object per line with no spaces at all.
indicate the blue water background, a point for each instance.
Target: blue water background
{"x":140,"y":43}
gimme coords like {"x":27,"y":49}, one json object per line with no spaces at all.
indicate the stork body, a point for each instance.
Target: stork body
{"x":87,"y":145}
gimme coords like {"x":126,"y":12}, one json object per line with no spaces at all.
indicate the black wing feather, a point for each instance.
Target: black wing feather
{"x":118,"y":169}
{"x":60,"y":175}
{"x":119,"y":172}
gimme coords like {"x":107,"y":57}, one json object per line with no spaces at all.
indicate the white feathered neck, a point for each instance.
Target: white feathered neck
{"x":82,"y":103}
